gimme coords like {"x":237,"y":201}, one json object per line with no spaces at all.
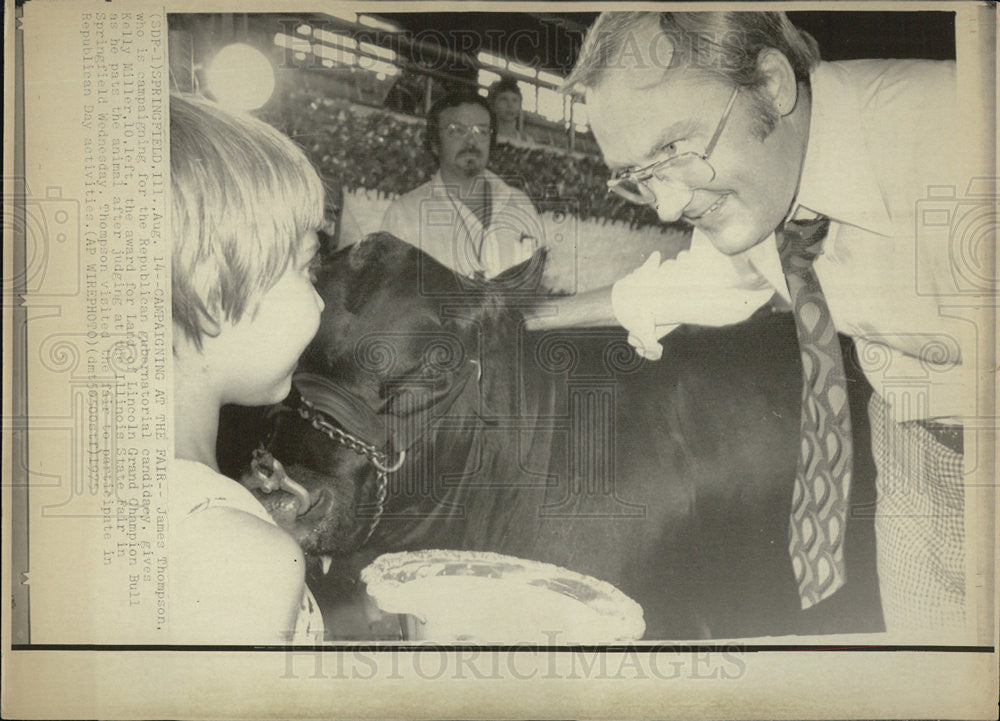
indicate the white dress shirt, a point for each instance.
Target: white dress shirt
{"x":882,"y":151}
{"x":434,"y":220}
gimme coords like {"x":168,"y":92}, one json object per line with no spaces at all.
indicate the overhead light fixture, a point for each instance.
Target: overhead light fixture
{"x":486,"y":58}
{"x":339,"y":39}
{"x":521,"y":69}
{"x":241,"y":77}
{"x":343,"y":15}
{"x":292,"y":43}
{"x":378,"y":23}
{"x":550,"y":78}
{"x":378,"y":51}
{"x":487,"y":78}
{"x":382,"y":68}
{"x":337,"y":55}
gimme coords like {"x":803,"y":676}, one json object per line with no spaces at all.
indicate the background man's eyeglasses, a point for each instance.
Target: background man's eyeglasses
{"x":461,"y":130}
{"x":691,"y":169}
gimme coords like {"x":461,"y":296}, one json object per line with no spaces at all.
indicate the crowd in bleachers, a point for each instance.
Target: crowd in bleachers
{"x":354,"y":147}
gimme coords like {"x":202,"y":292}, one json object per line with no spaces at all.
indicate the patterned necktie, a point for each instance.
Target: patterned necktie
{"x":823,"y":478}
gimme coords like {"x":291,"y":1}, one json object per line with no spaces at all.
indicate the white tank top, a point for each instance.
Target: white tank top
{"x":203,"y":488}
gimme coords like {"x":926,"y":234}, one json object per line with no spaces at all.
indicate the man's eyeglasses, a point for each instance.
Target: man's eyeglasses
{"x":461,"y":130}
{"x":691,"y":169}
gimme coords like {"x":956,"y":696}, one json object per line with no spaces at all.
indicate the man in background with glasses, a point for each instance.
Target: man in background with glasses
{"x":730,"y":124}
{"x":465,"y":216}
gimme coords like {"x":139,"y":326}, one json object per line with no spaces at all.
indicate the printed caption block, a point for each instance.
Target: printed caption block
{"x":98,"y":328}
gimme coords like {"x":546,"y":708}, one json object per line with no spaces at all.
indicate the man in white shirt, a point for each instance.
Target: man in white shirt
{"x":729,"y":122}
{"x":465,"y":216}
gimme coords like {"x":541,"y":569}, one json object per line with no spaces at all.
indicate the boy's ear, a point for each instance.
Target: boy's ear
{"x":184,"y":343}
{"x":210,"y":326}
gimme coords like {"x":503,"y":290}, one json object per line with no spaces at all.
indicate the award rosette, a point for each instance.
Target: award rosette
{"x":479,"y":597}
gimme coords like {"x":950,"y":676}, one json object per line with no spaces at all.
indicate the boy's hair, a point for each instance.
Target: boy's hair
{"x":243,"y":195}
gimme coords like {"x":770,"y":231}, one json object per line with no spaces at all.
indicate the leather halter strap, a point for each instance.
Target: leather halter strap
{"x":342,"y":406}
{"x":364,"y":431}
{"x":356,"y":417}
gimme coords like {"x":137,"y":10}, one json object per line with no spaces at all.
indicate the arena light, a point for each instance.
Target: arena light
{"x":379,"y":51}
{"x":240,"y":77}
{"x":529,"y":96}
{"x":339,"y":39}
{"x":383,"y":69}
{"x":292,"y":43}
{"x":550,"y":78}
{"x":378,"y":23}
{"x":487,"y":78}
{"x":337,"y":55}
{"x":490,"y":59}
{"x":521,"y":69}
{"x":551,"y":105}
{"x":343,"y":15}
{"x":578,"y":111}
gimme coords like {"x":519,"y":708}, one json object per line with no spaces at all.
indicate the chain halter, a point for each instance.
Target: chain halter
{"x":316,"y":419}
{"x":327,"y":402}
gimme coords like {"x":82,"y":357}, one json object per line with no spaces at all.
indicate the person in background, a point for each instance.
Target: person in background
{"x":407,"y":93}
{"x":244,"y":309}
{"x":804,"y":178}
{"x":505,"y":99}
{"x":465,"y":216}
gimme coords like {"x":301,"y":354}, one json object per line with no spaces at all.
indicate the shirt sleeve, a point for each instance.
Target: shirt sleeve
{"x":700,"y":286}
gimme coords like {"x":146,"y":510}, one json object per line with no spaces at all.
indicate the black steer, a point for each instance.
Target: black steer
{"x":670,"y":479}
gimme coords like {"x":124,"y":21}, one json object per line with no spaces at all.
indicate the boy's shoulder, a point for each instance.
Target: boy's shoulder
{"x":231,"y":539}
{"x":234,"y":578}
{"x":194,"y":487}
{"x":216,"y":522}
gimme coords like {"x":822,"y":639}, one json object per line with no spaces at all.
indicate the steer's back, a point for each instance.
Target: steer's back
{"x":673,"y":479}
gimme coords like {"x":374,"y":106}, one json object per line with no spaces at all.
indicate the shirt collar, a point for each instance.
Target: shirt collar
{"x":500,"y":196}
{"x":500,"y":192}
{"x":838,"y":179}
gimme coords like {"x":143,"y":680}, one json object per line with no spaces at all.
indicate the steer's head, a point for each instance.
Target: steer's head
{"x":402,"y":342}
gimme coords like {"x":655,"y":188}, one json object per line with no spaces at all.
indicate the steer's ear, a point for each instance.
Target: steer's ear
{"x":372,"y":264}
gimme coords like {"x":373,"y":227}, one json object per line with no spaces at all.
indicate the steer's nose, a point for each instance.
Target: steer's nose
{"x":267,"y":475}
